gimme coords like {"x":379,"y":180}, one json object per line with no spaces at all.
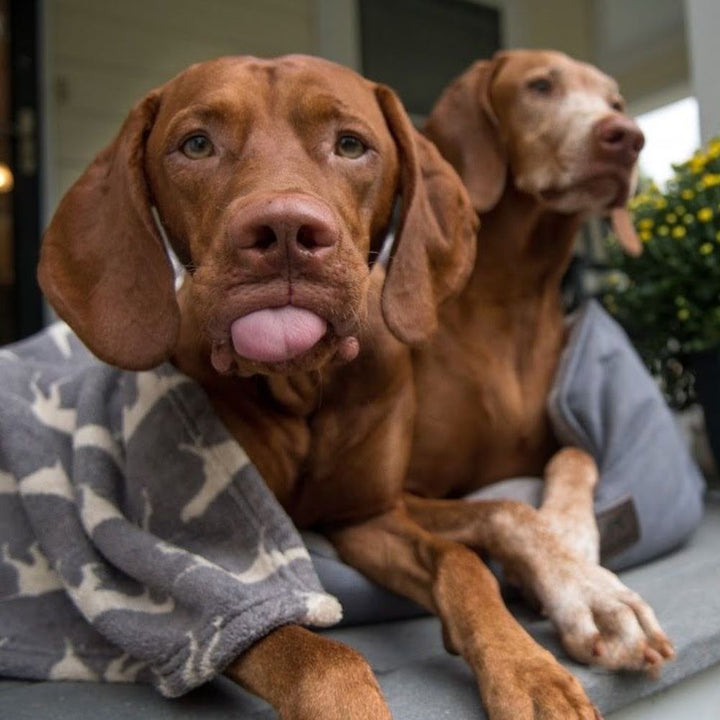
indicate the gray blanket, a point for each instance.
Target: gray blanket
{"x":137,"y":542}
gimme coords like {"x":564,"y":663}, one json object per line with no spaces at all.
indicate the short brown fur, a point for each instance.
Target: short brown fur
{"x":541,"y":142}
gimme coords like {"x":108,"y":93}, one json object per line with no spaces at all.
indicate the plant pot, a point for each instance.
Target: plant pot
{"x":706,"y":369}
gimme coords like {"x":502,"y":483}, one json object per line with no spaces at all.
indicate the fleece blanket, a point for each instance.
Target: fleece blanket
{"x":137,"y":542}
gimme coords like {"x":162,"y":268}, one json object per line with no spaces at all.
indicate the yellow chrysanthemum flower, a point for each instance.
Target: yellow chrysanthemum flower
{"x":638,"y":201}
{"x":645,"y":235}
{"x":664,"y":230}
{"x":706,"y":248}
{"x":710,"y":180}
{"x":683,"y":313}
{"x":646,"y":224}
{"x":688,"y":219}
{"x":687,"y":194}
{"x":661,"y":203}
{"x":671,"y":218}
{"x":679,"y":232}
{"x":705,"y":214}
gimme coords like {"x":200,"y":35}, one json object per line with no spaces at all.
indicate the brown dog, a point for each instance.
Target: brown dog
{"x":275,"y":182}
{"x":541,"y":141}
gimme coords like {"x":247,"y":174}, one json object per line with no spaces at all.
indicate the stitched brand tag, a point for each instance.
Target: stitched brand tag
{"x":619,"y":527}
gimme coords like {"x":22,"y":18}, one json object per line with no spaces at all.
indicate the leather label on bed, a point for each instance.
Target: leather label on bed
{"x":619,"y":527}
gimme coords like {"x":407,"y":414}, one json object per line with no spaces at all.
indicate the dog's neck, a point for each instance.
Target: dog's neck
{"x":524,"y":250}
{"x":514,"y":294}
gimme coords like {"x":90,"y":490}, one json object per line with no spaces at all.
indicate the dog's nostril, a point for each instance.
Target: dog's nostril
{"x":265,"y":238}
{"x":307,"y":237}
{"x":615,"y":137}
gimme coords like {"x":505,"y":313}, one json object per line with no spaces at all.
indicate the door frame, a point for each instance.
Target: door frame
{"x":27,"y":159}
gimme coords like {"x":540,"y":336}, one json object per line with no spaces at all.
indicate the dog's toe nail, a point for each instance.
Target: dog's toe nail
{"x":666,"y":649}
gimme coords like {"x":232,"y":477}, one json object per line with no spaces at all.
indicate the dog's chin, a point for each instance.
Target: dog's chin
{"x":588,"y":195}
{"x":329,"y":350}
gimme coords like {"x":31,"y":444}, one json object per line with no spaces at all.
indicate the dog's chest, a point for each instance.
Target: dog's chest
{"x":331,"y":447}
{"x":487,"y":419}
{"x":276,"y":440}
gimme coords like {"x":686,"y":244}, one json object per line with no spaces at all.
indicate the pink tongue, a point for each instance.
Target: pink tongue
{"x":276,"y":334}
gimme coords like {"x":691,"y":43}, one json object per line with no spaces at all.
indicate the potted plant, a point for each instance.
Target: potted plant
{"x":668,"y":298}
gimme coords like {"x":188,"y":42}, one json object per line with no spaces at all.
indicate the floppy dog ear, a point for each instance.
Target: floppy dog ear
{"x":622,"y":224}
{"x":624,"y":229}
{"x":463,"y":126}
{"x":434,"y":248}
{"x":103,"y":266}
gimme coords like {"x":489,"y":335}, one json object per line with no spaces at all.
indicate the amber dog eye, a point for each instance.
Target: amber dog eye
{"x":542,"y":86}
{"x":197,"y":146}
{"x":351,"y":147}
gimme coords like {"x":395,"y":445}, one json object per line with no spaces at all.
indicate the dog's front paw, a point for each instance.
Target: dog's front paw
{"x":532,"y":685}
{"x":341,"y":687}
{"x":601,"y":621}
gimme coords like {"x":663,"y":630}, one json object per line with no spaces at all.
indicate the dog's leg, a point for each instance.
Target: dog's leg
{"x":600,"y":620}
{"x":567,"y":505}
{"x":305,"y":676}
{"x":518,"y":680}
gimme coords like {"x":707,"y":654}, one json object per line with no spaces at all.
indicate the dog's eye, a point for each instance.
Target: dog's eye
{"x":618,"y":105}
{"x":197,"y":146}
{"x":349,"y":146}
{"x":541,"y":85}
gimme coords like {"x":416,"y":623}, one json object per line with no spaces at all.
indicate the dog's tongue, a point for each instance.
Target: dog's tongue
{"x":276,"y":334}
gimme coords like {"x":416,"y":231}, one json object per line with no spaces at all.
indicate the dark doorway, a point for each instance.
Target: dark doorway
{"x":21,"y":307}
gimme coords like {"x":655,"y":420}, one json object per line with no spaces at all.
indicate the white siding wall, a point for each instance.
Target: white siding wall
{"x":103,"y":55}
{"x":703,"y":24}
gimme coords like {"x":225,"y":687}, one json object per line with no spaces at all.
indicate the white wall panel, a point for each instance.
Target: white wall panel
{"x":103,"y":55}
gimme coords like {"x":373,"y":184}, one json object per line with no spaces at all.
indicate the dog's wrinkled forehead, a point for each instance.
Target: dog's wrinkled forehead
{"x":550,"y":74}
{"x":298,"y":89}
